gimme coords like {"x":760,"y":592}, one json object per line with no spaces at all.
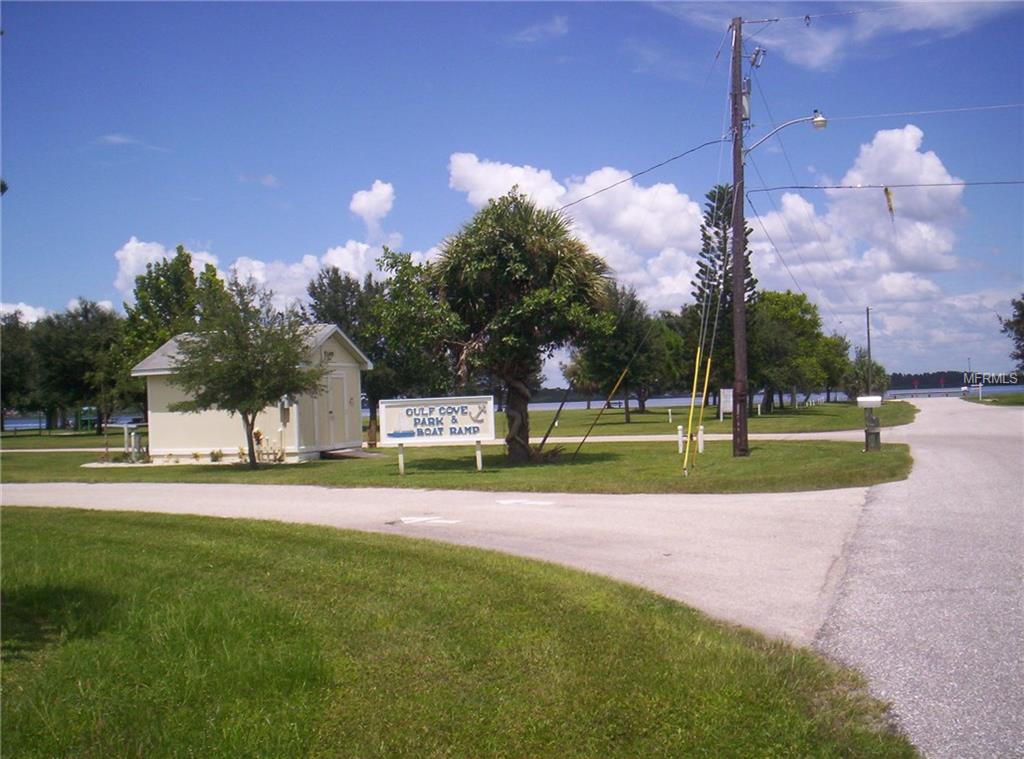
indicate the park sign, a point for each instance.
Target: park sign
{"x":437,"y":421}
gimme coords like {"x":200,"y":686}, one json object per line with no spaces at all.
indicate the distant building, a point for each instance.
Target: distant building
{"x":301,"y":427}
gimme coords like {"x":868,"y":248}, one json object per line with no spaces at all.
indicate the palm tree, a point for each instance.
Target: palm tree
{"x":522,"y":285}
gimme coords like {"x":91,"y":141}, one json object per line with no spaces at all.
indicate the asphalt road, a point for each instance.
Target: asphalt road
{"x":918,"y":584}
{"x":931,"y":604}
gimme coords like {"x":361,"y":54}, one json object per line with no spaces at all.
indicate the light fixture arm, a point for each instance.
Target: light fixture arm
{"x":817,"y":119}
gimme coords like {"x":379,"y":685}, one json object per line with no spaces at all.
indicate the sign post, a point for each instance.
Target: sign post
{"x":437,"y":421}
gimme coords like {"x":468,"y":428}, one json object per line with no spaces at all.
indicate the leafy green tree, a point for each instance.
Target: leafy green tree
{"x":412,"y":327}
{"x":784,"y":344}
{"x":339,"y":298}
{"x":70,"y":349}
{"x":398,"y":322}
{"x":244,"y":355}
{"x":834,"y":358}
{"x":521,"y":285}
{"x":17,"y":364}
{"x":580,"y":376}
{"x":855,"y":383}
{"x":712,"y":284}
{"x":652,"y":351}
{"x":1014,"y":329}
{"x":166,"y":304}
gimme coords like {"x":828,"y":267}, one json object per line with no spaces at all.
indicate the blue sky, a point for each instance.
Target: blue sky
{"x":279,"y":137}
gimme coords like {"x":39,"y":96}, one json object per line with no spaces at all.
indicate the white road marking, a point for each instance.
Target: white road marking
{"x":428,"y":520}
{"x":523,"y":502}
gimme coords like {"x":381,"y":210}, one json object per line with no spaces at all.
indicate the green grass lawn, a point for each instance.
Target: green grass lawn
{"x":773,"y":466}
{"x":824,"y":418}
{"x":33,"y":439}
{"x":141,"y":635}
{"x":1000,"y":399}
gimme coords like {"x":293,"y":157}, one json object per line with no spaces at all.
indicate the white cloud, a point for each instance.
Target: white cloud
{"x":287,"y":280}
{"x":134,"y":255}
{"x":373,"y":205}
{"x":29,"y":314}
{"x":631,"y":226}
{"x":119,"y":138}
{"x":828,"y":40}
{"x":103,"y":305}
{"x":558,"y":26}
{"x":266,"y":180}
{"x":904,"y":286}
{"x":920,"y":235}
{"x":483,"y":180}
{"x":850,"y":251}
{"x":355,"y":258}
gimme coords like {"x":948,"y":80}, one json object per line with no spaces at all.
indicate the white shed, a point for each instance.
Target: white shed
{"x":300,"y":427}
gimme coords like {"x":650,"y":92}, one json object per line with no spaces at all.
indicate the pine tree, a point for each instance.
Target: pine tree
{"x":713,"y":280}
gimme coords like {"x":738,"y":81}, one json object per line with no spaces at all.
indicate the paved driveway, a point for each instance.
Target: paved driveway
{"x":931,"y":606}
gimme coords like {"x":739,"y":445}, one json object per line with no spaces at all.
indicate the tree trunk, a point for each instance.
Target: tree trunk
{"x":588,"y":404}
{"x":625,"y":401}
{"x":641,"y":400}
{"x":517,"y":412}
{"x":371,"y":432}
{"x":249,"y":422}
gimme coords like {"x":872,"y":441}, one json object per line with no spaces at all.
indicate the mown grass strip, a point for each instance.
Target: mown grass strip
{"x":773,"y":466}
{"x":150,"y":635}
{"x":1000,"y":399}
{"x":829,"y":417}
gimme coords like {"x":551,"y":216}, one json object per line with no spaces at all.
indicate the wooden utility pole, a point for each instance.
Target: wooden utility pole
{"x":867,"y":316}
{"x":740,"y":444}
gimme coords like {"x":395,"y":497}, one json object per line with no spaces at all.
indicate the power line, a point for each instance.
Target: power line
{"x":714,"y":61}
{"x":993,"y":182}
{"x":792,"y":174}
{"x":796,"y":249}
{"x":645,"y":171}
{"x":807,"y":18}
{"x":775,"y":247}
{"x":928,"y":112}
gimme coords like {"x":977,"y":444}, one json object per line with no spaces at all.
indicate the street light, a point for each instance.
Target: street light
{"x":817,"y":119}
{"x":740,"y":443}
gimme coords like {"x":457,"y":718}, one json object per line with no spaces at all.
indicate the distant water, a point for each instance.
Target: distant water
{"x":987,"y":390}
{"x":673,"y":402}
{"x":24,"y":424}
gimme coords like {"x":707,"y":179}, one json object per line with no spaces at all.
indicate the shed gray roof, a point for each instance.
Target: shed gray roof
{"x":163,"y":359}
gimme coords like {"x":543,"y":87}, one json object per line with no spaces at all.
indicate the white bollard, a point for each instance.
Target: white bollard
{"x":479,"y":457}
{"x":127,"y":444}
{"x":700,"y":439}
{"x":679,"y":431}
{"x":401,"y":459}
{"x":670,"y":416}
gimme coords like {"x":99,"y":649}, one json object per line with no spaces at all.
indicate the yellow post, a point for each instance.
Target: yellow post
{"x":689,"y":422}
{"x":703,"y":395}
